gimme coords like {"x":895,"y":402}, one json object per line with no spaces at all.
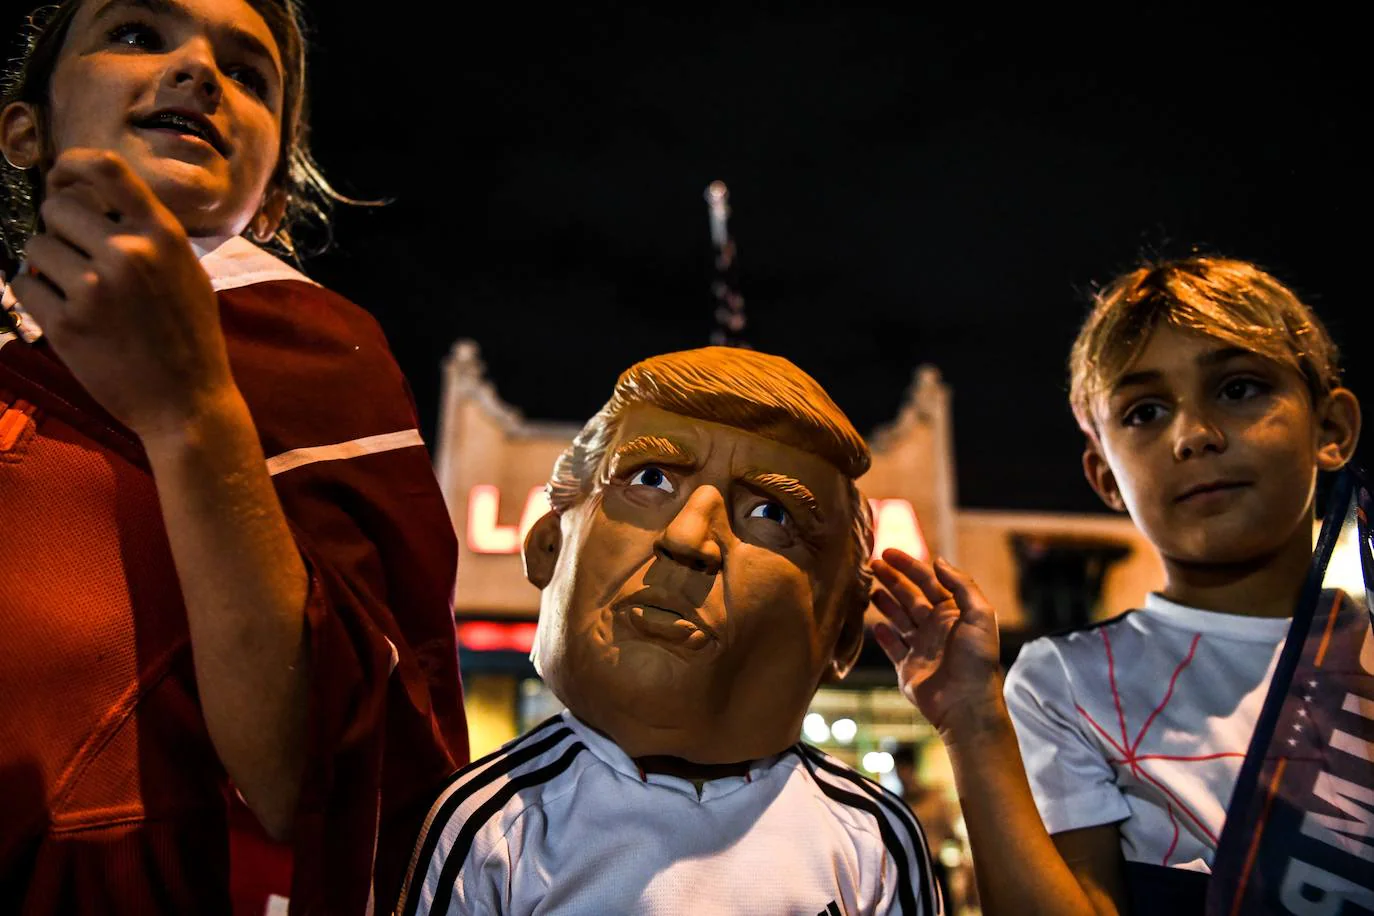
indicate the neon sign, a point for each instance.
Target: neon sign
{"x":894,"y":523}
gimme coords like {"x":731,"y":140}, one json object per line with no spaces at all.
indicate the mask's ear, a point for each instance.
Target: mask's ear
{"x":542,"y":545}
{"x":848,"y":644}
{"x":1101,"y":478}
{"x":21,"y":135}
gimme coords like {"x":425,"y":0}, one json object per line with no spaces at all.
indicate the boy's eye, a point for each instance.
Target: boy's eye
{"x":771,"y":511}
{"x":136,"y":35}
{"x":1141,"y":414}
{"x":652,"y":477}
{"x":1242,"y":389}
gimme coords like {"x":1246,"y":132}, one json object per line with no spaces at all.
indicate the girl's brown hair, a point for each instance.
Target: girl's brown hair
{"x":309,"y":196}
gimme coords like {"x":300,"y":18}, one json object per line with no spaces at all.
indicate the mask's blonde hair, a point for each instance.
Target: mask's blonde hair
{"x":1232,"y":301}
{"x":762,"y":394}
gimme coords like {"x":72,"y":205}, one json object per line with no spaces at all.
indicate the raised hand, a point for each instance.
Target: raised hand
{"x":941,"y":635}
{"x":122,"y":297}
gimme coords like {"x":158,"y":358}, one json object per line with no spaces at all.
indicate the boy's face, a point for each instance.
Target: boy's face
{"x":690,"y":603}
{"x":129,"y":66}
{"x":1213,"y":450}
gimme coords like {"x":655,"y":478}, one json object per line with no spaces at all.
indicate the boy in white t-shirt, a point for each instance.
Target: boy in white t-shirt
{"x":1210,"y":398}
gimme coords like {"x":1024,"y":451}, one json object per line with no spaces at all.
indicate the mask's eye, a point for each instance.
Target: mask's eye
{"x":771,"y":511}
{"x":652,"y":477}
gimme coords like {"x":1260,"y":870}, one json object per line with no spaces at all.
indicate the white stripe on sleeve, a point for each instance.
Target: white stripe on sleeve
{"x":354,"y":448}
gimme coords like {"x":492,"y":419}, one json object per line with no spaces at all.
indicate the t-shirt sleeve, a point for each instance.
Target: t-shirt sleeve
{"x":1073,"y":784}
{"x":908,"y":877}
{"x":462,"y":879}
{"x":917,"y":875}
{"x":385,"y":724}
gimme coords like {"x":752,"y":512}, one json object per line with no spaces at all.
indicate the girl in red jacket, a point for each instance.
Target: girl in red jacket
{"x":228,"y":567}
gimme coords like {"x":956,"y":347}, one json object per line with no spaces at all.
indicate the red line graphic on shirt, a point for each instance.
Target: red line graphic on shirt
{"x":1174,"y":844}
{"x":1128,"y":748}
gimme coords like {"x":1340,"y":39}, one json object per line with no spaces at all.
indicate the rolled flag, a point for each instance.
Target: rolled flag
{"x":730,"y":319}
{"x":1299,"y":832}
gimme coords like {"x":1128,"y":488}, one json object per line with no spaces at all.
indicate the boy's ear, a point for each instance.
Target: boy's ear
{"x":269,"y":215}
{"x":1101,"y":478}
{"x":1338,"y":429}
{"x":848,"y":644}
{"x":542,"y":545}
{"x":21,"y":136}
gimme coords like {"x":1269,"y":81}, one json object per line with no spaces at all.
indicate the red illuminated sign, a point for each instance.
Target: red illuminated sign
{"x":496,"y":636}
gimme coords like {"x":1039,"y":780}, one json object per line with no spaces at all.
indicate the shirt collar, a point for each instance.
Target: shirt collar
{"x":230,"y":263}
{"x":1236,"y":626}
{"x":609,"y":753}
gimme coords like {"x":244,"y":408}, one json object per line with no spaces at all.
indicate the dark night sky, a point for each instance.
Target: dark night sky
{"x":905,"y":190}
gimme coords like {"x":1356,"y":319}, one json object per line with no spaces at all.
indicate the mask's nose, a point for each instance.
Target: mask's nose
{"x":692,"y":538}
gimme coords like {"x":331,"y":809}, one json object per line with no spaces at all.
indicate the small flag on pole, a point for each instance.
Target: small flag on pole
{"x":730,"y":319}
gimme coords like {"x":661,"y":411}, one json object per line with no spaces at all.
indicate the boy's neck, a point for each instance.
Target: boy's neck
{"x":1266,"y":586}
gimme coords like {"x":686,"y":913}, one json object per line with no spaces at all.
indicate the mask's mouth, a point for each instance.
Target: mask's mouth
{"x":186,"y":123}
{"x":668,"y":624}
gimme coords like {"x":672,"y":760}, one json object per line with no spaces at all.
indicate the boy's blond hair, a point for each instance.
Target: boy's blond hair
{"x":1229,"y":300}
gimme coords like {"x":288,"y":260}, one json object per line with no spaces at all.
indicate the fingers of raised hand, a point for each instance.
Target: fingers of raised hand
{"x":78,"y":218}
{"x":905,"y":620}
{"x":59,"y":291}
{"x":973,"y":604}
{"x":40,"y":297}
{"x":910,"y":581}
{"x":109,"y":176}
{"x":891,"y":644}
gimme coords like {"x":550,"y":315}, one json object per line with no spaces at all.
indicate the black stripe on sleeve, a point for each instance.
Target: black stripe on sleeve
{"x":905,"y":888}
{"x":453,"y":864}
{"x":520,"y":751}
{"x":919,"y":847}
{"x":506,"y":748}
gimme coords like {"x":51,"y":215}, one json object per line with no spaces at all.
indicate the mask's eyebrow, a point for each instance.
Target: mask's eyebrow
{"x":652,"y":450}
{"x":789,"y":489}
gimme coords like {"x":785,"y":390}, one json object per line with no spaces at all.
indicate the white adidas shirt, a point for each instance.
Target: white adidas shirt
{"x":562,"y":821}
{"x":1144,"y":719}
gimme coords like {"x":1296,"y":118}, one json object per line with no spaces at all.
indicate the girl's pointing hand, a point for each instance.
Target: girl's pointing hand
{"x":119,"y":291}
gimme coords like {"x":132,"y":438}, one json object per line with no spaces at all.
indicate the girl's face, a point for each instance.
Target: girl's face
{"x":189,"y":92}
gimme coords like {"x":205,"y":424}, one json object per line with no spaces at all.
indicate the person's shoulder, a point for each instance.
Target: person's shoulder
{"x":865,"y":808}
{"x":1050,"y":658}
{"x":1052,"y":648}
{"x":493,"y":791}
{"x":535,"y":758}
{"x":264,"y":291}
{"x":856,"y":800}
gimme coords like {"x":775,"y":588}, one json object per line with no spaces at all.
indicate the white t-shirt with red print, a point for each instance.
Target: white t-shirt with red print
{"x":1144,"y":720}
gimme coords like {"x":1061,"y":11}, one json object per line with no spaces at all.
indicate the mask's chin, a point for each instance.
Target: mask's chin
{"x":634,"y":710}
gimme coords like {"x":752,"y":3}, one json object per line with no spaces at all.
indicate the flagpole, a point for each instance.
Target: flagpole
{"x":729,"y":314}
